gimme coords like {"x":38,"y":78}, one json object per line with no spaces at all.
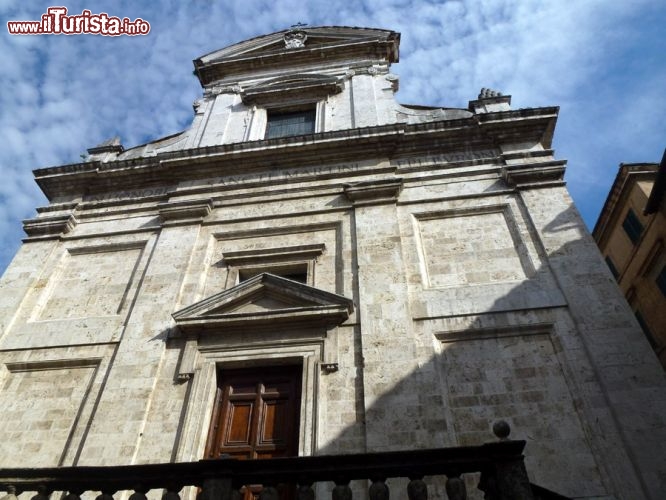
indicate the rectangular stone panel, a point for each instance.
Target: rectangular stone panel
{"x":40,"y":403}
{"x":90,"y":284}
{"x":520,"y":380}
{"x":470,"y":248}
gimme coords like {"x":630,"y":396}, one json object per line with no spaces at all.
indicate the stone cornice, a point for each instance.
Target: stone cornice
{"x":374,"y":192}
{"x":388,"y":141}
{"x":625,"y":180}
{"x":49,"y":227}
{"x":282,"y":254}
{"x":540,"y":174}
{"x":521,"y":125}
{"x":292,"y":89}
{"x":184,"y":212}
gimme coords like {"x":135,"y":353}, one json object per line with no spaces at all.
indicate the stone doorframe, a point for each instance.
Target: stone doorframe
{"x":201,"y":394}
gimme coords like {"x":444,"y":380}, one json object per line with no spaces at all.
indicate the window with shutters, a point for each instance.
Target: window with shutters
{"x":632,"y":226}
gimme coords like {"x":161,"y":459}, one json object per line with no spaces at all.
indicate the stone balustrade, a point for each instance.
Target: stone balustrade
{"x":500,"y":464}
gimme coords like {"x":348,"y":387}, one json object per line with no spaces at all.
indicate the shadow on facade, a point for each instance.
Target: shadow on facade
{"x":529,"y":367}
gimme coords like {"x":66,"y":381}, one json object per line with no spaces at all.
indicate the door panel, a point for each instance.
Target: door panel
{"x":238,"y":426}
{"x":274,"y":430}
{"x":256,"y":416}
{"x":256,"y":413}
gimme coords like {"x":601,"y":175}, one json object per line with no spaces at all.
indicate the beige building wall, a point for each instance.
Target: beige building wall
{"x":639,"y":265}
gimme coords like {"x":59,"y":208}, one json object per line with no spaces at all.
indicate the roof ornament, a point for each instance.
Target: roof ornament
{"x":488,"y":93}
{"x":112,"y":145}
{"x":295,"y":38}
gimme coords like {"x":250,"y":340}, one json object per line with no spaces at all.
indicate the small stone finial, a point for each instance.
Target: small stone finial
{"x":488,"y":93}
{"x":295,"y":39}
{"x":501,"y":429}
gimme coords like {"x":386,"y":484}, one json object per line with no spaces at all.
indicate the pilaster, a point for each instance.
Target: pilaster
{"x":129,"y":397}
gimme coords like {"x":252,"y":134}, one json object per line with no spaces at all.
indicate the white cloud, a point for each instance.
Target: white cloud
{"x":601,"y":61}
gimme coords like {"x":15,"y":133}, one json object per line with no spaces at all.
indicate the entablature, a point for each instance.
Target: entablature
{"x":488,"y":131}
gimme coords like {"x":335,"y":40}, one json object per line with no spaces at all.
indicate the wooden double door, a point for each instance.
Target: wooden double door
{"x":256,"y":415}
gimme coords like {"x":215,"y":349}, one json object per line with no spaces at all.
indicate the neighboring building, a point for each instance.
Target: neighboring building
{"x":312,"y":268}
{"x":631,"y":233}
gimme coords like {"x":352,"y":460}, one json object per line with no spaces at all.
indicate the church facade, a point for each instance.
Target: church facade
{"x":312,"y":268}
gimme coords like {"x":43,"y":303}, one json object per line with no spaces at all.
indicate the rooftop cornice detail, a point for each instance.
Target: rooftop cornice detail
{"x":477,"y":131}
{"x":627,"y":175}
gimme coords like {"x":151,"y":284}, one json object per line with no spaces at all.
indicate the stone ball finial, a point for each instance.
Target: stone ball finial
{"x":501,"y":429}
{"x":488,"y":93}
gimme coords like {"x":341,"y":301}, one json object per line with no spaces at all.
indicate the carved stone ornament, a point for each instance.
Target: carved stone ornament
{"x":394,"y":80}
{"x":222,"y":89}
{"x":295,"y":39}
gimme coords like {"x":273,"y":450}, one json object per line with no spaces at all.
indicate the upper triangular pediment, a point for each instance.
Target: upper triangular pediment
{"x":325,"y":35}
{"x":300,"y":45}
{"x":265,"y":299}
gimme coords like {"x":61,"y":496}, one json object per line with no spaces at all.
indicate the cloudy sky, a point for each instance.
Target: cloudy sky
{"x":601,"y":61}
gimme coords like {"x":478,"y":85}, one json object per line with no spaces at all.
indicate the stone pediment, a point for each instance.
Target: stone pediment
{"x":264,"y":300}
{"x":279,"y":41}
{"x":301,"y":45}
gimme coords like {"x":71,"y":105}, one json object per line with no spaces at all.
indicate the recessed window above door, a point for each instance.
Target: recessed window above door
{"x":281,"y":123}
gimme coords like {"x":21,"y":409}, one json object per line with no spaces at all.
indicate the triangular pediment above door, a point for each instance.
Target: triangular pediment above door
{"x":264,"y":300}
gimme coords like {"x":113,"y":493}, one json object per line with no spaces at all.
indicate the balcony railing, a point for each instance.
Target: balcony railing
{"x":500,"y":464}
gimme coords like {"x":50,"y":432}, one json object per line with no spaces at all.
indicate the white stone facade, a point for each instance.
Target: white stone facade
{"x":449,"y":282}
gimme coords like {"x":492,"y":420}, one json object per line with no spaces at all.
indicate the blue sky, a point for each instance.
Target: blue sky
{"x":602,"y":62}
